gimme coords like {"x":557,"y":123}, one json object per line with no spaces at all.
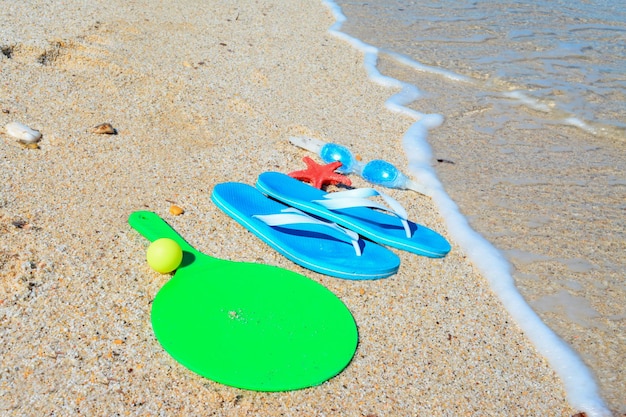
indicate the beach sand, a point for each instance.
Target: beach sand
{"x":201,"y":93}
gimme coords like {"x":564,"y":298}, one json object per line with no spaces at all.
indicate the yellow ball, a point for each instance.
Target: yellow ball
{"x":164,"y":255}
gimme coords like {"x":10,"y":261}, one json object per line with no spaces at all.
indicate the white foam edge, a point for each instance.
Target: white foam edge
{"x":579,"y":383}
{"x":409,"y":62}
{"x":535,"y":104}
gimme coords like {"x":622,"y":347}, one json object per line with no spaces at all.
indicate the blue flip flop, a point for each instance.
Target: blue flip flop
{"x":315,"y":244}
{"x":354,"y":210}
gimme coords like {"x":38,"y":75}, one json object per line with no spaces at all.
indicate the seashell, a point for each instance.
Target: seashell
{"x":24,"y":134}
{"x":175,"y":210}
{"x":27,"y":145}
{"x":105,"y":129}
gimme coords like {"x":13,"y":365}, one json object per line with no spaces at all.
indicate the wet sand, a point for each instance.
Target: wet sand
{"x":201,"y":93}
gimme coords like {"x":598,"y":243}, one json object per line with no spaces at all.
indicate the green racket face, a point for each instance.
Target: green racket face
{"x":253,"y":326}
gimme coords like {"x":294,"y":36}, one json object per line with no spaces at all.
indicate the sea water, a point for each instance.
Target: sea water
{"x":532,"y":65}
{"x":566,"y":59}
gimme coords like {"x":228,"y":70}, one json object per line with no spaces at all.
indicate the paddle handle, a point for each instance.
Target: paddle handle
{"x":152,"y":227}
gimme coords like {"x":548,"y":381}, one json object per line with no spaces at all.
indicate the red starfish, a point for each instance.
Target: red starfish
{"x":318,"y":175}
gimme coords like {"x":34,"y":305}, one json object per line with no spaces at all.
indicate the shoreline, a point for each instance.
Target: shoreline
{"x":184,"y":120}
{"x":507,"y":177}
{"x":579,"y":382}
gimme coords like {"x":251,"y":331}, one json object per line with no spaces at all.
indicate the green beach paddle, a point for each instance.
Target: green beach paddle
{"x":248,"y":325}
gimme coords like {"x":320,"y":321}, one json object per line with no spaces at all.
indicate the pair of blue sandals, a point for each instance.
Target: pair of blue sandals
{"x":320,"y":231}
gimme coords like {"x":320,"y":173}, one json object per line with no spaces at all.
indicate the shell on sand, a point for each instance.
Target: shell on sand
{"x":23,"y":133}
{"x":175,"y":210}
{"x":104,"y":129}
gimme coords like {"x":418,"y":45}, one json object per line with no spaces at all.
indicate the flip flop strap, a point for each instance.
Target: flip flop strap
{"x":292,"y":217}
{"x":359,"y":197}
